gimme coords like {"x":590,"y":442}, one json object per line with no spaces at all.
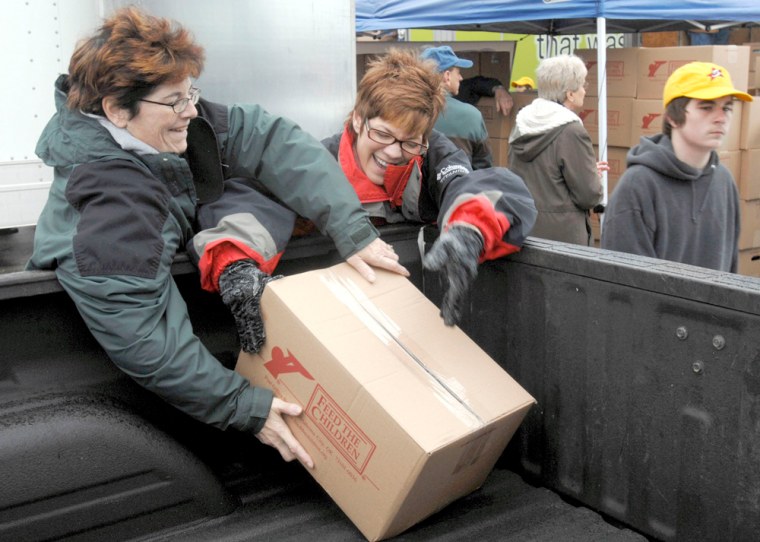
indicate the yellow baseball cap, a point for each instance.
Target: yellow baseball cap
{"x":703,"y":81}
{"x":523,"y":81}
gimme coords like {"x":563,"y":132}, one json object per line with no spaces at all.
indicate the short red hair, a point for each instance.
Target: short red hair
{"x":403,"y":89}
{"x":130,"y":55}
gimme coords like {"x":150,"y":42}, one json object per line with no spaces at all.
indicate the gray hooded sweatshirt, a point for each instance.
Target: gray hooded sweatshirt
{"x":664,"y":208}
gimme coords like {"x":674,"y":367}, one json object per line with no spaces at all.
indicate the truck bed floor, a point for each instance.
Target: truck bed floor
{"x":286,"y":504}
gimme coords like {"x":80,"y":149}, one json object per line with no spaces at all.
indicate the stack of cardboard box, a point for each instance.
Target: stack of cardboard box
{"x":748,"y":182}
{"x":499,"y":126}
{"x":754,"y":67}
{"x":635,"y":81}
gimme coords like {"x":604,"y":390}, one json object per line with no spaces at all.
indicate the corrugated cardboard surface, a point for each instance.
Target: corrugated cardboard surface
{"x":750,"y":124}
{"x":499,"y":126}
{"x":657,"y":63}
{"x":497,"y":65}
{"x":646,"y":120}
{"x":749,"y":236}
{"x":622,"y":66}
{"x":618,"y":120}
{"x":402,"y":415}
{"x":616,"y":159}
{"x":748,"y":179}
{"x":749,"y":262}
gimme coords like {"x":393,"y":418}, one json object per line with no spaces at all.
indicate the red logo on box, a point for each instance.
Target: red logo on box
{"x":648,"y":119}
{"x":615,"y":68}
{"x":654,"y":66}
{"x":339,"y":429}
{"x":586,"y":115}
{"x":281,"y":364}
{"x":615,"y":167}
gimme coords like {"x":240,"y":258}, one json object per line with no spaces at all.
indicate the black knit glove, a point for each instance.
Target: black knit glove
{"x":456,"y":252}
{"x":241,"y":285}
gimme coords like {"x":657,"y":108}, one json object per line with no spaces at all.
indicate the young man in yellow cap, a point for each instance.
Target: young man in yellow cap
{"x":523,"y":84}
{"x":676,"y":201}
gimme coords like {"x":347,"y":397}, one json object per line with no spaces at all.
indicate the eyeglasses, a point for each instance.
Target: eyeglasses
{"x":180,"y":105}
{"x":378,"y":136}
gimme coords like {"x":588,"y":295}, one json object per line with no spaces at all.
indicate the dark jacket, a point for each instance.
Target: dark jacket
{"x":115,"y":218}
{"x":494,"y":200}
{"x":664,"y":208}
{"x":473,"y":89}
{"x":551,"y":150}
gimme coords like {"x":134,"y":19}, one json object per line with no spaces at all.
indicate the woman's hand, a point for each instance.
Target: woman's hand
{"x":277,"y":434}
{"x":377,"y":254}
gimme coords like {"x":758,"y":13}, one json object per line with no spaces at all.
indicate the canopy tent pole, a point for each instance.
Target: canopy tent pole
{"x":601,"y":57}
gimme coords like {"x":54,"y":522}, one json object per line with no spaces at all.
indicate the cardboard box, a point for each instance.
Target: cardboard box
{"x":646,"y":119}
{"x":754,"y":57}
{"x":622,"y":66}
{"x":499,"y":151}
{"x":732,"y":160}
{"x":402,"y":414}
{"x":521,"y":99}
{"x":750,"y":125}
{"x":657,"y":63}
{"x":474,"y":56}
{"x":754,"y":78}
{"x":748,"y":179}
{"x":496,"y":64}
{"x":749,"y":262}
{"x":497,"y":125}
{"x":749,"y":237}
{"x":647,"y":115}
{"x":616,"y":159}
{"x":618,"y":120}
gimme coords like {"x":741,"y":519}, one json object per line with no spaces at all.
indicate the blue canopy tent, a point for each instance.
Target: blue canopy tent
{"x":554,"y":17}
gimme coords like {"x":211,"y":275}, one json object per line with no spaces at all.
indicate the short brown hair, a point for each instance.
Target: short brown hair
{"x":403,"y":89}
{"x":675,"y":114}
{"x":130,"y":55}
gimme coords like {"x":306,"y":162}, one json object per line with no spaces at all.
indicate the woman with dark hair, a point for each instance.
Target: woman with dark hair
{"x":138,"y":176}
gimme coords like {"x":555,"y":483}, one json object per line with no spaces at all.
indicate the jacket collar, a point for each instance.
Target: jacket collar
{"x":394,"y":182}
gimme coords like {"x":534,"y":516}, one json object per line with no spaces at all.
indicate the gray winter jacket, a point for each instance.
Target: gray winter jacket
{"x":551,"y":150}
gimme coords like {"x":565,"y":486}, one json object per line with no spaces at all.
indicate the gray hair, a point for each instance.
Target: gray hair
{"x":558,"y":75}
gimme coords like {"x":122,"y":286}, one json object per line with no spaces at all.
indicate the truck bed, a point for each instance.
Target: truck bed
{"x":645,"y":374}
{"x":282,"y":502}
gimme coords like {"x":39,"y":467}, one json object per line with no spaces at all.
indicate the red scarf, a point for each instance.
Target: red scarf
{"x":394,"y":181}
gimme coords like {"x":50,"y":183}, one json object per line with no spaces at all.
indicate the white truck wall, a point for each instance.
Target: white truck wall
{"x":294,"y":57}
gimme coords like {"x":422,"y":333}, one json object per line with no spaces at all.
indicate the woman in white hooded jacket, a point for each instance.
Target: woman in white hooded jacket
{"x":551,"y":150}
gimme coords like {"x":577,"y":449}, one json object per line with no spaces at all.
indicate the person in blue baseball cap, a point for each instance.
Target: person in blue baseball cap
{"x":445,"y":57}
{"x":459,"y":121}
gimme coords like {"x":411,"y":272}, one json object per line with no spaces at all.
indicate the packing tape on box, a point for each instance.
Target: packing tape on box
{"x":391,"y":334}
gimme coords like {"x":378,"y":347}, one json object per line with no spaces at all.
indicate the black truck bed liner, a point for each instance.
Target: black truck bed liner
{"x":282,"y":502}
{"x":646,"y":373}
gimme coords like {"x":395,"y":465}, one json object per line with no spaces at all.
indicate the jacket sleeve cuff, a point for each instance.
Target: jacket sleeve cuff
{"x":260,"y":407}
{"x":349,"y":244}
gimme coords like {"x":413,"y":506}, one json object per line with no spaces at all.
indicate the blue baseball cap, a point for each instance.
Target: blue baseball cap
{"x":445,"y":58}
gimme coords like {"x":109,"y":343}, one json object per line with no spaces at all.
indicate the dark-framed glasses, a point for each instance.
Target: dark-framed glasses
{"x":384,"y":138}
{"x":180,"y":105}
